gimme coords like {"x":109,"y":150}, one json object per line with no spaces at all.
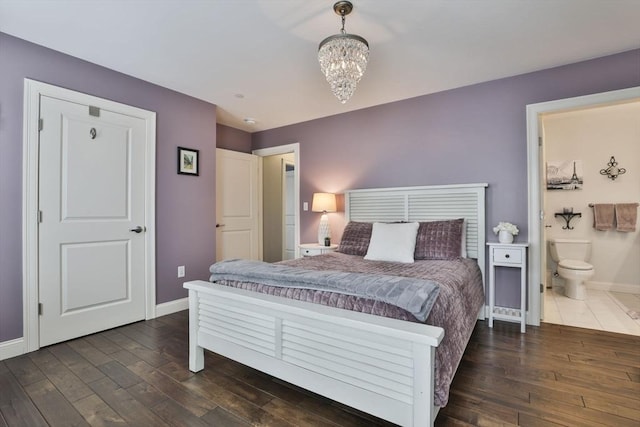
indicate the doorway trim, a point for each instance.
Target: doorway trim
{"x":33,"y":90}
{"x":285,"y":149}
{"x":536,"y":214}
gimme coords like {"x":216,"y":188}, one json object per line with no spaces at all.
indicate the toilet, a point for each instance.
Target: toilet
{"x":572,"y":256}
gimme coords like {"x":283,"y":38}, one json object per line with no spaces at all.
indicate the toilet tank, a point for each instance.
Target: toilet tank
{"x":576,"y":249}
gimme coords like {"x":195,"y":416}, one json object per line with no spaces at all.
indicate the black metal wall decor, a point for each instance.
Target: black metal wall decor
{"x":613,"y":170}
{"x":568,"y":216}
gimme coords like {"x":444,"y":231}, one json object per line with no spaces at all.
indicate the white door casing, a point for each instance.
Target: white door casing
{"x":77,"y":212}
{"x":534,"y":178}
{"x":91,"y":195}
{"x":238,"y":228}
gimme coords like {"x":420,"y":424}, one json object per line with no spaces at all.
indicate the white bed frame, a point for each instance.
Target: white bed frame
{"x":381,"y":366}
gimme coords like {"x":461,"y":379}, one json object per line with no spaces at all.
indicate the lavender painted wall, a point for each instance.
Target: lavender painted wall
{"x":233,"y":139}
{"x":471,"y":134}
{"x":181,"y":120}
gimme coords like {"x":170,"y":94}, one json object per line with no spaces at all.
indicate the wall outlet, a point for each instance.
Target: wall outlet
{"x":180,"y":271}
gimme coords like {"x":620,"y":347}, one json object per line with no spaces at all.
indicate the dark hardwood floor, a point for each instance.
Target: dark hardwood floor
{"x":137,"y":375}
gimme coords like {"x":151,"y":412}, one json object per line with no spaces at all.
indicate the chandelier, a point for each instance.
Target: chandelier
{"x":343,"y":57}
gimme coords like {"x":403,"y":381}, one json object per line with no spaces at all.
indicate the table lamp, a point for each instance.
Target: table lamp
{"x":323,"y":202}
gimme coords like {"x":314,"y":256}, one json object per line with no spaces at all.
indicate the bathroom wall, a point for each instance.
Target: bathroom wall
{"x":593,"y":136}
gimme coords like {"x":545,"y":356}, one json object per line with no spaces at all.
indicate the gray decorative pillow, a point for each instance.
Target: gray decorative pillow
{"x":439,"y":239}
{"x":355,"y":238}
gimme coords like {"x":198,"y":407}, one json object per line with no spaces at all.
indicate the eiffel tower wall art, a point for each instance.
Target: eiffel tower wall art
{"x":564,"y":175}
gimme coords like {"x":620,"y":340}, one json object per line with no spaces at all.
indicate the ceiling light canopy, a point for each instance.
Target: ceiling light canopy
{"x":343,"y":57}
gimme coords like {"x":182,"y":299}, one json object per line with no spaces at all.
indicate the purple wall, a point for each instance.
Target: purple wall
{"x":233,"y":139}
{"x":471,"y":134}
{"x":181,"y":121}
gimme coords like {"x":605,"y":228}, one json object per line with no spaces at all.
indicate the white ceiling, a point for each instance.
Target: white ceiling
{"x":257,"y":58}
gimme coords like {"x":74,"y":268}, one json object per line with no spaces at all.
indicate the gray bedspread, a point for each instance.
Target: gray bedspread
{"x":414,"y":295}
{"x":460,"y":297}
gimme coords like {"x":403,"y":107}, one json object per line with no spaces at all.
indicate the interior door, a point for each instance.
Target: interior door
{"x":545,"y":223}
{"x":91,"y":194}
{"x":289,"y":238}
{"x":237,"y":206}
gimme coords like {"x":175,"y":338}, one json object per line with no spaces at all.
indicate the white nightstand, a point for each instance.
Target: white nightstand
{"x":508,"y":255}
{"x":313,"y":249}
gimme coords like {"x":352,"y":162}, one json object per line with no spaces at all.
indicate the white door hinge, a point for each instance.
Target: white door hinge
{"x":40,"y":309}
{"x":40,"y":124}
{"x":39,"y":216}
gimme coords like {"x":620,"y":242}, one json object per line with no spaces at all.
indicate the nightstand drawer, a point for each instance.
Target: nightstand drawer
{"x":313,"y":249}
{"x":310,"y":252}
{"x":507,"y":256}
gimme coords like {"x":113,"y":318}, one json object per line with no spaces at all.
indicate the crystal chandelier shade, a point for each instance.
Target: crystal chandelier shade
{"x":343,"y":57}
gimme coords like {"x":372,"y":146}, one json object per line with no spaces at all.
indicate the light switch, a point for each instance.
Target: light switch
{"x":305,"y":206}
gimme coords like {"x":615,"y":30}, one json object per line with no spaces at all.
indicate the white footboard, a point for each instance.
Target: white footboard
{"x":381,"y":366}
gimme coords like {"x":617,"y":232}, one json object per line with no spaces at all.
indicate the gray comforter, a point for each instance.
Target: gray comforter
{"x":416,"y":296}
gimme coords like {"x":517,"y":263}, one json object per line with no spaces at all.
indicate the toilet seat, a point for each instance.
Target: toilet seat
{"x":573,"y":264}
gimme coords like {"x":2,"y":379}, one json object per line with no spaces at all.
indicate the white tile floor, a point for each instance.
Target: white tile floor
{"x":602,"y":310}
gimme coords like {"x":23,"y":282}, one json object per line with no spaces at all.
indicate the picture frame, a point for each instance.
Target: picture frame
{"x":565,"y":175}
{"x":188,"y":161}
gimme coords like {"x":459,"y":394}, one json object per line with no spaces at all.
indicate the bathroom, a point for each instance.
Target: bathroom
{"x":589,"y":138}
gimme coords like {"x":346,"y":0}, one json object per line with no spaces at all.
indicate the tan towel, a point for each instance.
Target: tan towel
{"x":603,"y":216}
{"x":626,"y":216}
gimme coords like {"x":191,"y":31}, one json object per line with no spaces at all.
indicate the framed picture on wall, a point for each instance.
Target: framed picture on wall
{"x":188,"y":161}
{"x":565,"y":175}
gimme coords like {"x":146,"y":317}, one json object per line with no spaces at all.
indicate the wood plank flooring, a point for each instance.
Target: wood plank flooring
{"x":137,"y":375}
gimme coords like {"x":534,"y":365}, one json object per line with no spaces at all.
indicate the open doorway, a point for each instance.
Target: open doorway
{"x":538,"y":218}
{"x":609,"y":297}
{"x":278,"y":220}
{"x":280,"y":201}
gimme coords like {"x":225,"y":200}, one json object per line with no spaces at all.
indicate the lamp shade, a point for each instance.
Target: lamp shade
{"x":323,"y":202}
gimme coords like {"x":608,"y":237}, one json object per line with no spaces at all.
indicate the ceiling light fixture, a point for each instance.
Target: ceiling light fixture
{"x":250,"y":120}
{"x":343,"y":57}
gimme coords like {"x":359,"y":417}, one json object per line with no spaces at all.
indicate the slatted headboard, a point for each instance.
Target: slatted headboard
{"x":426,"y":203}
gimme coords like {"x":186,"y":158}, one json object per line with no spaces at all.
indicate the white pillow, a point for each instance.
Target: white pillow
{"x":392,"y":242}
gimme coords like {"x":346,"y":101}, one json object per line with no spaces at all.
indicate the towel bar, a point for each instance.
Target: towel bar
{"x":591,"y":205}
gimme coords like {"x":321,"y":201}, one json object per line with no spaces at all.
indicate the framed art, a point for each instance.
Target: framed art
{"x":565,"y":175}
{"x":188,"y":161}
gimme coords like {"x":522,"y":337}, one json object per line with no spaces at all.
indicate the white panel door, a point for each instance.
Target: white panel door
{"x":289,"y":247}
{"x":545,"y":225}
{"x":237,"y":206}
{"x":91,"y":197}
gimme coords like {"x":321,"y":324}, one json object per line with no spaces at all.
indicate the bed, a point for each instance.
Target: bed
{"x":386,"y":367}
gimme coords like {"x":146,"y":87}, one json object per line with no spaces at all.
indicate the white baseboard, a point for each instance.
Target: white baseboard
{"x":172,"y":307}
{"x":12,"y":348}
{"x":614,"y":287}
{"x":17,"y":347}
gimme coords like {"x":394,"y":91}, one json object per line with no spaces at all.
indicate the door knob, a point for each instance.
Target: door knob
{"x":138,"y":229}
